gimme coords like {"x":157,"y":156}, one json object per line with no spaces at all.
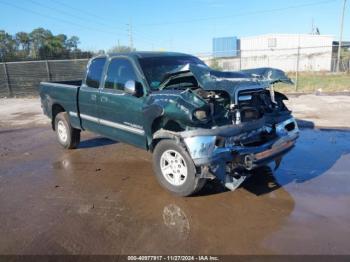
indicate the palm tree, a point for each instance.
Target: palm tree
{"x":23,"y":41}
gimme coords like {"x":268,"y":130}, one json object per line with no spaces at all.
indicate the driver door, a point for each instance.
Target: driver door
{"x":120,"y":113}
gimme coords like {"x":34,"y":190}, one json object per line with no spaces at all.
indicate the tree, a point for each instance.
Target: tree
{"x":52,"y":47}
{"x":23,"y":40}
{"x":8,"y":45}
{"x":39,"y":44}
{"x":23,"y":43}
{"x":38,"y":37}
{"x":121,"y":49}
{"x":72,"y":43}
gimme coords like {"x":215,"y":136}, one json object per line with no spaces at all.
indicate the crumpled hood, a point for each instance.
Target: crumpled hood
{"x":212,"y":80}
{"x":268,"y":75}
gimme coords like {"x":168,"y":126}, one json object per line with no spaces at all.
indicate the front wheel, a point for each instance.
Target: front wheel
{"x":67,"y":136}
{"x":175,"y":169}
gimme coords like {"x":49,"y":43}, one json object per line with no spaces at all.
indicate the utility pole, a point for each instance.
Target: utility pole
{"x":341,"y":35}
{"x":131,"y":44}
{"x":297,"y":67}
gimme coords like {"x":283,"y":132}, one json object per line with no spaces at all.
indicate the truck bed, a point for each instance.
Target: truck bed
{"x":63,"y":94}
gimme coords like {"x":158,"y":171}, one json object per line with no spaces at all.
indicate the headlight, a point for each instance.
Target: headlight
{"x":201,"y":115}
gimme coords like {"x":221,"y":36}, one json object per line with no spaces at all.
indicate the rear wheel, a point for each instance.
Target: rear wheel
{"x":175,"y":169}
{"x":67,"y":136}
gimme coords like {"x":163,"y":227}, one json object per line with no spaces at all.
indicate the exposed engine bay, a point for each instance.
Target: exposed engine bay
{"x":239,"y":100}
{"x":252,"y":104}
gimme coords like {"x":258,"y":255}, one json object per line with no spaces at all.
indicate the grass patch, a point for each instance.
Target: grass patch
{"x":312,"y":82}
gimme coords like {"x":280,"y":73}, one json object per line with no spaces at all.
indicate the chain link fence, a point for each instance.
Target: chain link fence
{"x":23,"y":78}
{"x":310,"y":72}
{"x":317,"y":62}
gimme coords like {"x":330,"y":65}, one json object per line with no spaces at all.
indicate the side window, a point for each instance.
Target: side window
{"x":94,"y":75}
{"x":120,"y":71}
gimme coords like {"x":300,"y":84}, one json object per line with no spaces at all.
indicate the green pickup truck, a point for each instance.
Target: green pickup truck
{"x":199,"y":123}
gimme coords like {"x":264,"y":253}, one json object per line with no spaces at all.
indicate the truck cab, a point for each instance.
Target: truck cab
{"x":106,"y":106}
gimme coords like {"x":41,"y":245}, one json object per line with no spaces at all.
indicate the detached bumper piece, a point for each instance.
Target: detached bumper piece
{"x":250,"y":158}
{"x":231,"y":162}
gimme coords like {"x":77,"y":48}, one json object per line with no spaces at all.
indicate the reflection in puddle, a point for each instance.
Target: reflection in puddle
{"x":64,"y":164}
{"x":175,"y":219}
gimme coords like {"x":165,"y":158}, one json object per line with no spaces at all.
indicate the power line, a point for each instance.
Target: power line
{"x":61,"y":20}
{"x":75,"y":8}
{"x":60,"y":11}
{"x":74,"y":15}
{"x":241,"y":14}
{"x":341,"y":35}
{"x":145,"y":37}
{"x":65,"y":21}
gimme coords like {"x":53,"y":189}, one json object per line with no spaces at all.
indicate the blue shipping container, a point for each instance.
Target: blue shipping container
{"x":225,"y":47}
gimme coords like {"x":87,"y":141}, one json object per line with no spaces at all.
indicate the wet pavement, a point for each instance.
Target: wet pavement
{"x":104,"y":199}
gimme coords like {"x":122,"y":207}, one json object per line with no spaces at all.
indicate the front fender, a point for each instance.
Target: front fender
{"x":175,"y":106}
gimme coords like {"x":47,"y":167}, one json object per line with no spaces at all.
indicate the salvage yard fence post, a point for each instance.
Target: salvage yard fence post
{"x":7,"y":80}
{"x":48,"y":70}
{"x":296,"y":82}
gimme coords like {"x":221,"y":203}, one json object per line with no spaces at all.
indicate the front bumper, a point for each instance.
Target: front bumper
{"x":205,"y":152}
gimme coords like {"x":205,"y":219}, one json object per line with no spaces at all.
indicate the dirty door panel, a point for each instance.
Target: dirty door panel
{"x":121,"y":113}
{"x":88,"y":95}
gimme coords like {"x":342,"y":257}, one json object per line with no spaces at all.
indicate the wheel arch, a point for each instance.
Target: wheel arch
{"x":163,"y":128}
{"x":55,"y":110}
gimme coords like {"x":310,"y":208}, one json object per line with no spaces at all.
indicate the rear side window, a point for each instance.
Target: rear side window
{"x":94,"y":75}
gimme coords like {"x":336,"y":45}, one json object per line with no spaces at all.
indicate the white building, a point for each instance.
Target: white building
{"x":284,"y":51}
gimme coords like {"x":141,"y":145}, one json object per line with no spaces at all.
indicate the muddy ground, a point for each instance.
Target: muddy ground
{"x":103,"y":198}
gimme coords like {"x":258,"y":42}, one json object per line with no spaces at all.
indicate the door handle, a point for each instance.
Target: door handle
{"x":93,"y":97}
{"x":104,"y":99}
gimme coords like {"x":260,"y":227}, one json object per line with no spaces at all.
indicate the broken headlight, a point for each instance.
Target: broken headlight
{"x":225,"y":141}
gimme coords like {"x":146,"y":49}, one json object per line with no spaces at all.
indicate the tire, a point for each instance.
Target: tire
{"x":67,"y":136}
{"x":175,"y":169}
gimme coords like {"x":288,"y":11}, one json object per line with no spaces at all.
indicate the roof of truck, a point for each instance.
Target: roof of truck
{"x":144,"y":54}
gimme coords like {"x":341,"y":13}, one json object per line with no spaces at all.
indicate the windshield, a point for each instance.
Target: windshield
{"x":155,"y":68}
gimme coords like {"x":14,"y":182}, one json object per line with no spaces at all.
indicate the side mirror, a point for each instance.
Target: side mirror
{"x":133,"y":88}
{"x":130,"y":87}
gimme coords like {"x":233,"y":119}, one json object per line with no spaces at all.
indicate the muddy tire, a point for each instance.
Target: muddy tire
{"x":175,"y":169}
{"x":67,"y":136}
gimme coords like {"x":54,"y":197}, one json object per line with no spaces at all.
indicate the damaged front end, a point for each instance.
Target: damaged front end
{"x":230,"y":152}
{"x":246,"y":126}
{"x":229,"y":159}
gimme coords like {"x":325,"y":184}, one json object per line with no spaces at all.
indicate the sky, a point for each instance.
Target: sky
{"x":172,"y":25}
